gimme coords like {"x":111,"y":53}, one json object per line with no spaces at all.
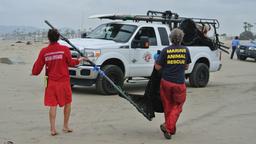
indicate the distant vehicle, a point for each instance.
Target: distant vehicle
{"x":247,"y":51}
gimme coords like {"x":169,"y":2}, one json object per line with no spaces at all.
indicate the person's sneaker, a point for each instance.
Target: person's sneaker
{"x":166,"y":134}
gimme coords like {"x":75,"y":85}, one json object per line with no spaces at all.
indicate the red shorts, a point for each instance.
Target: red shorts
{"x":57,"y":93}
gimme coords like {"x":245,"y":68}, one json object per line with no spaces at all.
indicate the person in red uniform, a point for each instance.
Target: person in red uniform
{"x":173,"y":61}
{"x":56,"y":58}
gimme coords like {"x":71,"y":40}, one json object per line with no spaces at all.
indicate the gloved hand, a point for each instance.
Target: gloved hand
{"x":156,"y":55}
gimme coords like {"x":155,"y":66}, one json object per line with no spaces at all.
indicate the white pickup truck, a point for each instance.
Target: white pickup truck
{"x":121,"y":50}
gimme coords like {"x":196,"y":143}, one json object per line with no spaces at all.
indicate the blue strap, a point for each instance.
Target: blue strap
{"x":96,"y":68}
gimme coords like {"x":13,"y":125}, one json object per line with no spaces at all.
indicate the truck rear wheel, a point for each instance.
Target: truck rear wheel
{"x":242,"y":57}
{"x":199,"y":76}
{"x":115,"y":74}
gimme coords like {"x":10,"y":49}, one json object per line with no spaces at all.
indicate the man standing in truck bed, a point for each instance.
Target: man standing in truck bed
{"x":57,"y":58}
{"x":173,"y":61}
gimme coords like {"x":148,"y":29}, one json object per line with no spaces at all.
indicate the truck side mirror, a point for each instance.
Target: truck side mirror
{"x":142,"y":43}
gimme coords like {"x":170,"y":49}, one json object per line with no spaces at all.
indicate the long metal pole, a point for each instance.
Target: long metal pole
{"x":103,"y":74}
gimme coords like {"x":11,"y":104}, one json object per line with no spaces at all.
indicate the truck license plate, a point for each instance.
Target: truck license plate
{"x":241,"y":50}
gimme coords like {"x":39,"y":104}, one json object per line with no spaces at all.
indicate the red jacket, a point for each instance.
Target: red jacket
{"x":57,"y":58}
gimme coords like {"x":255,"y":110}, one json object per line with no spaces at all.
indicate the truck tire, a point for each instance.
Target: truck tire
{"x":115,"y":74}
{"x":199,"y":76}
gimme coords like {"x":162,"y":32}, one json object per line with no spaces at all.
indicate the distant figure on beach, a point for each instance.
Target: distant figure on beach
{"x":235,"y":43}
{"x":56,"y":59}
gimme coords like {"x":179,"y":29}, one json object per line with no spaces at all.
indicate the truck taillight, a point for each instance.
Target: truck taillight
{"x":220,"y":55}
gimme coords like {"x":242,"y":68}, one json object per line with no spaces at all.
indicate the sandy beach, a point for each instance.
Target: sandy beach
{"x":222,"y":113}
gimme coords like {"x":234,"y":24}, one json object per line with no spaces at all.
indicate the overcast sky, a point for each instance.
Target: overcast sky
{"x":74,"y":13}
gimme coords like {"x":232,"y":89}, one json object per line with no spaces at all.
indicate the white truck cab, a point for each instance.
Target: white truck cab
{"x":125,"y":49}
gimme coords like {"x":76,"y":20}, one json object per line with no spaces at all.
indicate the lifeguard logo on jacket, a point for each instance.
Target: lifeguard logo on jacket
{"x":176,"y":56}
{"x":54,"y":56}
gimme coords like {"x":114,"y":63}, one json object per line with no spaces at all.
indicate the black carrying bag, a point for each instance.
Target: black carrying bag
{"x":152,"y":91}
{"x":150,"y":102}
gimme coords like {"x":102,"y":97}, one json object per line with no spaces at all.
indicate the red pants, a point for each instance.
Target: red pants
{"x":57,"y":93}
{"x":173,"y":97}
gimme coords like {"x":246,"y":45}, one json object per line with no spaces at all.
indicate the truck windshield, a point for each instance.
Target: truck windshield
{"x":112,"y":31}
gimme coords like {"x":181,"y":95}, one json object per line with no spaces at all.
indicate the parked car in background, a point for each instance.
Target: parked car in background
{"x":247,"y":50}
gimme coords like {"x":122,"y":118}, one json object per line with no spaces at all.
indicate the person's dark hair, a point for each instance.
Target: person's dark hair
{"x":176,"y":36}
{"x":236,"y":37}
{"x":53,"y":35}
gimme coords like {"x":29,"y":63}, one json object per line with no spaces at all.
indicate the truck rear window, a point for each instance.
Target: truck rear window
{"x":164,"y":36}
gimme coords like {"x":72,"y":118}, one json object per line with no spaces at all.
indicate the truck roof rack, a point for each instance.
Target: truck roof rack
{"x":166,"y":17}
{"x":174,"y":21}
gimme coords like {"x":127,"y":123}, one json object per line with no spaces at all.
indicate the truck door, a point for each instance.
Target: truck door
{"x":142,"y":60}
